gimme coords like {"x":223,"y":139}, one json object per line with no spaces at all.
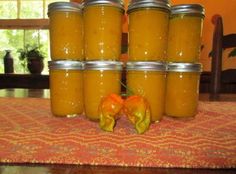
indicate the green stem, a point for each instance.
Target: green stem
{"x":129,"y":92}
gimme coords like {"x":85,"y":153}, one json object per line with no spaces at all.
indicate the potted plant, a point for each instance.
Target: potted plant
{"x":32,"y":58}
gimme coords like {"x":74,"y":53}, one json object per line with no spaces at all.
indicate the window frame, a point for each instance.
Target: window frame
{"x":24,"y":24}
{"x":18,"y":23}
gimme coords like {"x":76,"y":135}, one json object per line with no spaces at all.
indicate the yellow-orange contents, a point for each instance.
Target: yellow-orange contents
{"x":98,"y":84}
{"x":151,"y":85}
{"x":102,"y":32}
{"x":66,"y":91}
{"x":66,"y":35}
{"x":148,"y":33}
{"x":182,"y":94}
{"x":184,"y":41}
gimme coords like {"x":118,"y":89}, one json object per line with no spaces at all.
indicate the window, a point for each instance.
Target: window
{"x":20,"y":24}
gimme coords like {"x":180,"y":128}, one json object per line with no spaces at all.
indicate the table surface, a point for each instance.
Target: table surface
{"x":45,"y":93}
{"x":86,"y":169}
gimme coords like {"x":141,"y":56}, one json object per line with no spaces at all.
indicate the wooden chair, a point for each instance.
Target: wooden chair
{"x":220,"y":42}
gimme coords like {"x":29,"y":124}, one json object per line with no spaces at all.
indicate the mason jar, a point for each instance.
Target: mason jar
{"x":103,"y":29}
{"x":66,"y":31}
{"x":182,"y":89}
{"x":101,"y":78}
{"x":148,"y":29}
{"x":66,"y":88}
{"x":185,"y":33}
{"x":148,"y":79}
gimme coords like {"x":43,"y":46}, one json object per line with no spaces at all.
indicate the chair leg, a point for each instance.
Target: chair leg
{"x":216,"y":63}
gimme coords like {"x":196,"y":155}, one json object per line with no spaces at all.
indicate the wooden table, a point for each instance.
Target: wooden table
{"x":6,"y":168}
{"x":45,"y":93}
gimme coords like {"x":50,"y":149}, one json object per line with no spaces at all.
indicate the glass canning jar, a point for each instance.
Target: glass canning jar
{"x":66,"y":31}
{"x":66,"y":88}
{"x":185,"y":32}
{"x":148,"y":29}
{"x":182,"y":89}
{"x":101,"y":78}
{"x":103,"y":29}
{"x":148,"y":79}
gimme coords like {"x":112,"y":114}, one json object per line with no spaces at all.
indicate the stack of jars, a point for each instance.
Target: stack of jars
{"x":164,"y":47}
{"x":148,"y":35}
{"x":67,"y":54}
{"x":183,"y":51}
{"x":85,"y":49}
{"x":102,"y":44}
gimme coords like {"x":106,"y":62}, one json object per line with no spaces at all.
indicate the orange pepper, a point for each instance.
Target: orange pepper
{"x":137,"y":110}
{"x":109,"y":109}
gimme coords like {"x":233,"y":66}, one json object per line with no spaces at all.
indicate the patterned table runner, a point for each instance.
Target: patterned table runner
{"x":30,"y":134}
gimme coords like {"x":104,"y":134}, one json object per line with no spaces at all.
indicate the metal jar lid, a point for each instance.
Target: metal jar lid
{"x":146,"y":66}
{"x":65,"y":65}
{"x":114,"y":3}
{"x":64,"y":6}
{"x":184,"y":67}
{"x":103,"y":65}
{"x":188,"y":9}
{"x":137,"y":4}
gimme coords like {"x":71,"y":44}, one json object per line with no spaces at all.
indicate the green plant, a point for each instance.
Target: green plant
{"x":232,"y":53}
{"x":29,"y":53}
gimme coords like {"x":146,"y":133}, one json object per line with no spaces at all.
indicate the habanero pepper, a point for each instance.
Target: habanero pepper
{"x":137,"y":109}
{"x":109,"y":109}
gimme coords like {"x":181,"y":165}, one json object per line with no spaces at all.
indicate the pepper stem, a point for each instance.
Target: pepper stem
{"x":129,"y":92}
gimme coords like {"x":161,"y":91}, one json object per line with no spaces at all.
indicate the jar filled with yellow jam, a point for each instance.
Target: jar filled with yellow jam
{"x":148,"y":29}
{"x":103,"y":29}
{"x":101,"y":78}
{"x":182,"y":89}
{"x":185,"y":32}
{"x":66,"y":31}
{"x":66,"y":88}
{"x":148,"y":79}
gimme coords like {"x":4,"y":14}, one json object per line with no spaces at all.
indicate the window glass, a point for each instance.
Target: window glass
{"x":51,"y":1}
{"x":16,"y":39}
{"x":8,"y":9}
{"x":12,"y":39}
{"x":31,"y":9}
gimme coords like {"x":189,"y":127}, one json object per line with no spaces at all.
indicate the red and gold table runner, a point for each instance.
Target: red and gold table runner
{"x":30,"y":134}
